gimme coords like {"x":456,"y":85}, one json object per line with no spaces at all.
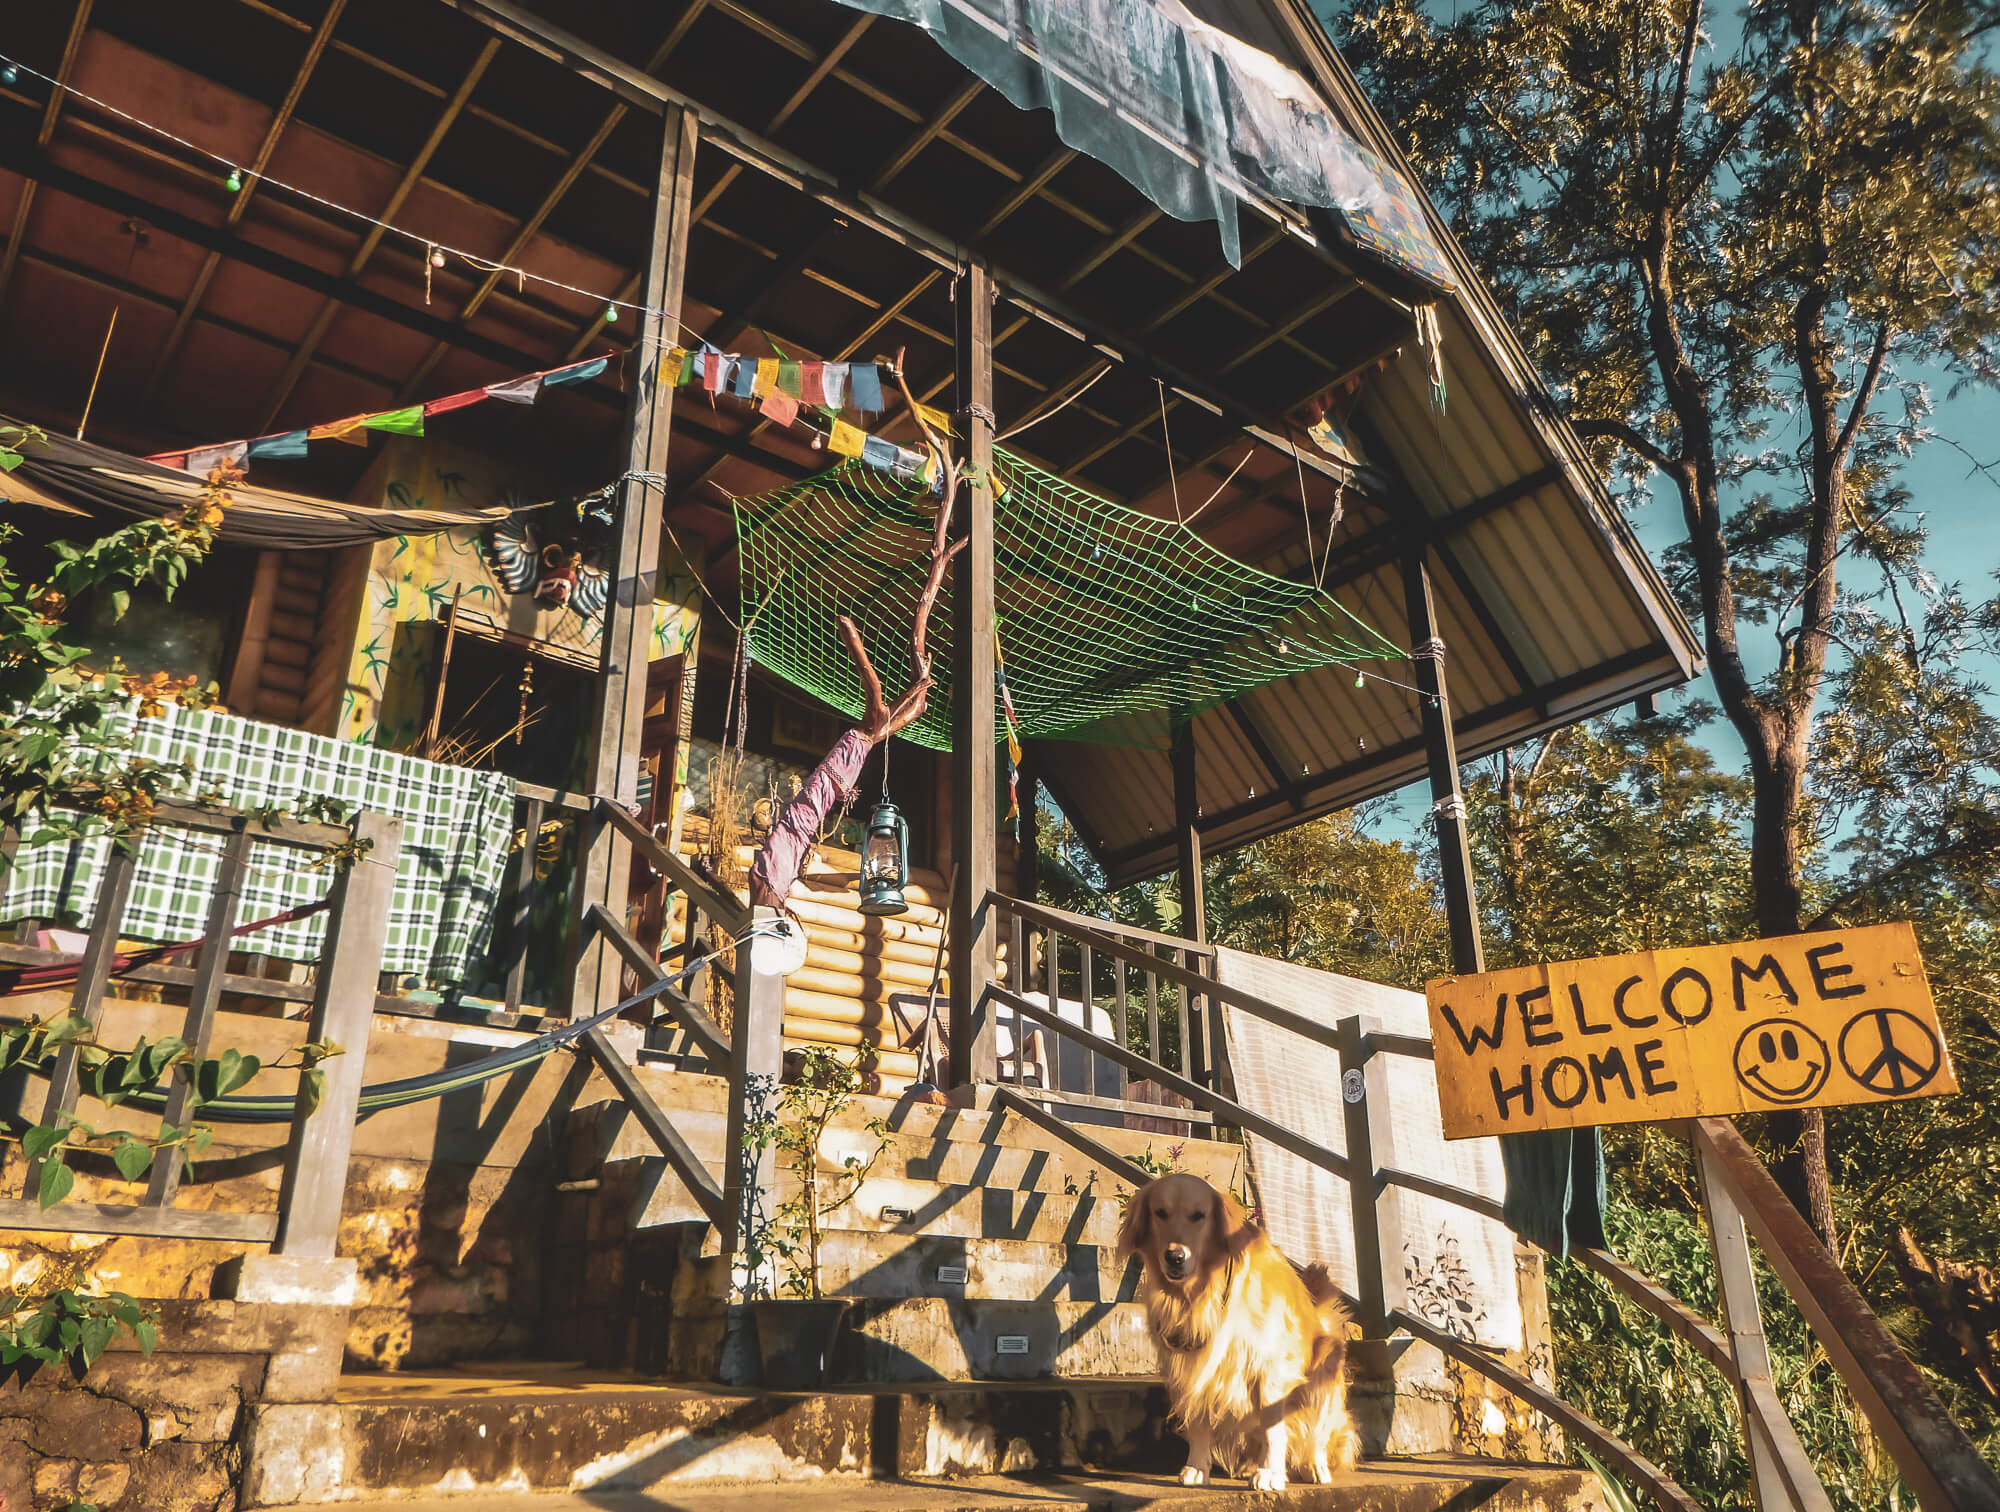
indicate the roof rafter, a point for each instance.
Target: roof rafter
{"x":17,"y":234}
{"x":240,"y":203}
{"x":302,"y":355}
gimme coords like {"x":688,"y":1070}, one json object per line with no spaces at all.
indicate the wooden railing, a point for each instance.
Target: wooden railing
{"x":1156,"y":989}
{"x":342,"y":996}
{"x":1740,"y":1198}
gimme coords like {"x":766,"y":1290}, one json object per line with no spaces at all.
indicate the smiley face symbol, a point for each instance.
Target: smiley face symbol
{"x":1782,"y":1061}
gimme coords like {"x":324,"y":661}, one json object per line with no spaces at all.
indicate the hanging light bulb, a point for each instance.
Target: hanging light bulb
{"x":1360,"y":678}
{"x":234,"y":183}
{"x":437,"y":258}
{"x":9,"y":74}
{"x":611,"y":314}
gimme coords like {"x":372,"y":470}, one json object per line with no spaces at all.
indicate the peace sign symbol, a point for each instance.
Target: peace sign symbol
{"x":1890,"y":1052}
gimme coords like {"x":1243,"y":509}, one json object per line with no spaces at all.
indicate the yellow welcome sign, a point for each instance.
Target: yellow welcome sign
{"x":1805,"y":1021}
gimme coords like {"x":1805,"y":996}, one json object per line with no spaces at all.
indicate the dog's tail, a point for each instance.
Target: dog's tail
{"x":1326,"y":1374}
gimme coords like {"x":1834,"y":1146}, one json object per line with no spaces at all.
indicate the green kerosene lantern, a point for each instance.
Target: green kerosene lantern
{"x":885,"y":861}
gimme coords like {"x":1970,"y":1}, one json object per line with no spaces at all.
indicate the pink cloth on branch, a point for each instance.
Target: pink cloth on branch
{"x":783,"y":855}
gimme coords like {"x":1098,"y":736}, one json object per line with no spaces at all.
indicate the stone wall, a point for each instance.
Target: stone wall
{"x":166,"y":1433}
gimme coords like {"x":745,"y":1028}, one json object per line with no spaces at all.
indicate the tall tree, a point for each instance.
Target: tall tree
{"x":1736,"y":239}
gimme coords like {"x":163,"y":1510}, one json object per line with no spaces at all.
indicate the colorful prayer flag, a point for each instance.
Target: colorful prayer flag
{"x":865,"y":387}
{"x":812,"y":381}
{"x":746,"y":378}
{"x":714,"y":371}
{"x":834,"y":380}
{"x":577,"y":372}
{"x":205,"y":460}
{"x":780,"y":406}
{"x":788,"y":378}
{"x":880,"y":454}
{"x":290,"y":444}
{"x":690,"y":365}
{"x":442,"y":406}
{"x":767,"y":377}
{"x":937,"y":420}
{"x":845,"y":440}
{"x":403,"y":422}
{"x":348,"y":430}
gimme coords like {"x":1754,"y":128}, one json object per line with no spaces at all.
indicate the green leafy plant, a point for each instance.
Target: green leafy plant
{"x":113,"y":1076}
{"x":72,"y":1326}
{"x":793,"y":1124}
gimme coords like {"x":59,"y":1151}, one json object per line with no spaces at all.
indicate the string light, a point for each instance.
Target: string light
{"x":437,"y":258}
{"x":11,"y":70}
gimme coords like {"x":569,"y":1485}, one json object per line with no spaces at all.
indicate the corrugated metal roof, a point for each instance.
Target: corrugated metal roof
{"x":1549,"y":609}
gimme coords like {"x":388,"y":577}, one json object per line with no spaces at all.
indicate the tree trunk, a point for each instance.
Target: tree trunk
{"x":1777,"y":764}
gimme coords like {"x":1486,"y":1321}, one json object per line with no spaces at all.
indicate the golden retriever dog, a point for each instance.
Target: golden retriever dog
{"x":1254,"y":1351}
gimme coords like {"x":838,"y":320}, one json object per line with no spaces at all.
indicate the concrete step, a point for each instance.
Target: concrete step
{"x":854,"y":1264}
{"x":1431,"y":1484}
{"x":527,"y":1428}
{"x":996,"y":1152}
{"x":997,"y":1339}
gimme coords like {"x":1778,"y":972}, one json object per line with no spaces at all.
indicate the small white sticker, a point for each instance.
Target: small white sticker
{"x":897,"y":1215}
{"x":1011,"y":1344}
{"x":1352,"y":1087}
{"x":951,"y":1275}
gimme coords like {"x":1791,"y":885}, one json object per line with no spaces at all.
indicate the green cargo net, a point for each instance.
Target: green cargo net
{"x":1104,"y":612}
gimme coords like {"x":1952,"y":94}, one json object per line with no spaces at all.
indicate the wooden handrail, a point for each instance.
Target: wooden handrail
{"x":1009,"y":1100}
{"x":1664,"y":1305}
{"x":695,"y":1176}
{"x":1114,"y":926}
{"x":1619,"y":1455}
{"x":1929,"y":1447}
{"x":1084,"y":930}
{"x":1226,"y":1109}
{"x":728,"y":911}
{"x":706,"y":1032}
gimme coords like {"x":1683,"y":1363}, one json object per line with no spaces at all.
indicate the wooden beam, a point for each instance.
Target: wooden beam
{"x":701,"y":1185}
{"x":240,"y":202}
{"x":302,"y":355}
{"x":974,"y":933}
{"x":24,"y":160}
{"x":1187,"y":836}
{"x":1461,"y":906}
{"x":79,"y":23}
{"x":628,"y":613}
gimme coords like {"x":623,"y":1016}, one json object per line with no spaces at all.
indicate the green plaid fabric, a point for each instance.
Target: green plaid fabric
{"x":456,"y":825}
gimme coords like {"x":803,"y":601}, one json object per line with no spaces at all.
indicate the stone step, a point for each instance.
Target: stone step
{"x":929,"y":1265}
{"x":998,"y":1339}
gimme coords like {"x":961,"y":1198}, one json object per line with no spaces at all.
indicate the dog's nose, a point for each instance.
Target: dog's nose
{"x":1176,"y":1257}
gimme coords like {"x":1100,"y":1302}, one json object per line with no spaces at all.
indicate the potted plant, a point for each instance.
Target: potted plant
{"x":797,"y":1329}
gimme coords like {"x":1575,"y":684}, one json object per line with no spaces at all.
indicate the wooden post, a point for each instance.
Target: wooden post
{"x":1364,"y":1101}
{"x":203,"y":995}
{"x":1461,"y":906}
{"x":86,"y":999}
{"x":1780,"y":1473}
{"x":756,"y":1069}
{"x":974,"y":792}
{"x":628,"y":615}
{"x":1195,"y":1062}
{"x":343,"y":1009}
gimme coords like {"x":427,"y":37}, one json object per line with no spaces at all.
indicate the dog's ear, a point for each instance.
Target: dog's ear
{"x":1138,"y":1224}
{"x":1233,"y":1228}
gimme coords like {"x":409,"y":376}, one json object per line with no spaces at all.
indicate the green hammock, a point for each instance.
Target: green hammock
{"x":280,"y":1107}
{"x":1104,"y":612}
